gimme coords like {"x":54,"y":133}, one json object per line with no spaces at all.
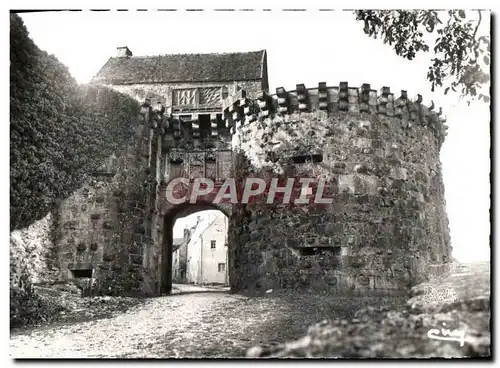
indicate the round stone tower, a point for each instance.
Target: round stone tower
{"x":375,"y":156}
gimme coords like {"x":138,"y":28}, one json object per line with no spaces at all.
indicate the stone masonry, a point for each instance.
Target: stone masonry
{"x":386,"y":228}
{"x":379,"y":153}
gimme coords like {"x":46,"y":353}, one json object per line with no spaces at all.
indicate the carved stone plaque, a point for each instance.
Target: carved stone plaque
{"x":225,"y":164}
{"x":183,"y":97}
{"x":197,"y":158}
{"x":197,"y":165}
{"x":210,"y":96}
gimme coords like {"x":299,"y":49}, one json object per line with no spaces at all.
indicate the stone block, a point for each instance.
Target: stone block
{"x":362,"y":142}
{"x":346,"y":184}
{"x":334,"y":229}
{"x":107,"y":225}
{"x":139,"y":229}
{"x":366,"y":184}
{"x":70,"y":225}
{"x":385,"y":283}
{"x":399,"y":173}
{"x":107,"y":257}
{"x":80,"y":266}
{"x":136,"y":259}
{"x":364,"y":282}
{"x":135,"y":250}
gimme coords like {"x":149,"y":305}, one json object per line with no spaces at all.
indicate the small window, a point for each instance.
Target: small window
{"x":302,"y":159}
{"x":222,"y":267}
{"x":212,"y":244}
{"x":313,"y":251}
{"x":80,"y":274}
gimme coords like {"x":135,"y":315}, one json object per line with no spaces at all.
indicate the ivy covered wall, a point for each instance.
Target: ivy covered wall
{"x":60,"y":132}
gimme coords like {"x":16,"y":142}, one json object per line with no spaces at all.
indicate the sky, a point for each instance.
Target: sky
{"x":303,"y":47}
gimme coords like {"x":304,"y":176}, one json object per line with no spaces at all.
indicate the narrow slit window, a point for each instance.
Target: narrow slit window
{"x":302,"y":159}
{"x":80,"y":274}
{"x":313,"y":251}
{"x":177,"y":168}
{"x":211,"y":167}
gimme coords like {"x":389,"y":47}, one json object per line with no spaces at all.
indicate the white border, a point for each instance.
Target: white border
{"x":199,"y":4}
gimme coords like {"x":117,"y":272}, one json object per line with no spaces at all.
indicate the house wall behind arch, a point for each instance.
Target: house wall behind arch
{"x":204,"y":258}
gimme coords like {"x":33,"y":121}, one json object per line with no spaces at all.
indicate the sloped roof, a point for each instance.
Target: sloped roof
{"x":177,"y":242}
{"x":182,"y":68}
{"x":204,"y":225}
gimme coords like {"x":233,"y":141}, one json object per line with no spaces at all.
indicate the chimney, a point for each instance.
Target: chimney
{"x":186,"y":234}
{"x":123,"y":51}
{"x":198,"y":219}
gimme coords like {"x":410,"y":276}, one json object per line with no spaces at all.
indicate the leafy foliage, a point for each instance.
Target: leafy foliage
{"x":28,"y":307}
{"x":460,"y":61}
{"x":60,"y":132}
{"x":27,"y":256}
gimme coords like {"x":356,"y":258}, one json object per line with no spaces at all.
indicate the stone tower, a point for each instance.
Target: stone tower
{"x":376,"y":155}
{"x":386,"y":228}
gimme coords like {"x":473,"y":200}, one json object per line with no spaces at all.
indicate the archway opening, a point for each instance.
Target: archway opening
{"x":195,"y":248}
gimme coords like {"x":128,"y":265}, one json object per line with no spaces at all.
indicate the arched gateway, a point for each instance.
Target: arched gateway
{"x":366,"y":166}
{"x":173,"y":214}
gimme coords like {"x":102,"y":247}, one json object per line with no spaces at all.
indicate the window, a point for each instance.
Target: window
{"x":313,"y":251}
{"x":84,"y":273}
{"x":302,"y":159}
{"x":222,"y":267}
{"x":212,"y":244}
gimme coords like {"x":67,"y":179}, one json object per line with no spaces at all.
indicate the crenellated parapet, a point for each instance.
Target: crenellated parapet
{"x":239,"y":110}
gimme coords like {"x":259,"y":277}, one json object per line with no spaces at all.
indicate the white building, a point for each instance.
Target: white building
{"x":207,"y":251}
{"x":179,"y":256}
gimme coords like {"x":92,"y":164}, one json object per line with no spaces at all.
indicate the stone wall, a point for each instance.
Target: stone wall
{"x":106,"y":226}
{"x":162,"y":92}
{"x":385,"y":230}
{"x":33,"y":255}
{"x":380,"y":158}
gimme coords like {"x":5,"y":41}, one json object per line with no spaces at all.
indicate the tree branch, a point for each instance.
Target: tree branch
{"x":477,"y":26}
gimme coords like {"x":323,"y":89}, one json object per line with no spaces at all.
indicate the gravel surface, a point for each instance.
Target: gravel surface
{"x":459,"y":303}
{"x":193,"y":324}
{"x":208,"y":322}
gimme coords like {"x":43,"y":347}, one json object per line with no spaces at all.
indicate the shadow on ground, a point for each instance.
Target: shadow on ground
{"x":459,"y":303}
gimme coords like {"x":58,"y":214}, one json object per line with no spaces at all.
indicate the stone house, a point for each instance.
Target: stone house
{"x":207,"y":261}
{"x":193,"y":85}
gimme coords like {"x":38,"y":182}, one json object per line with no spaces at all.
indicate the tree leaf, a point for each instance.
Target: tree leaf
{"x":454,"y":47}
